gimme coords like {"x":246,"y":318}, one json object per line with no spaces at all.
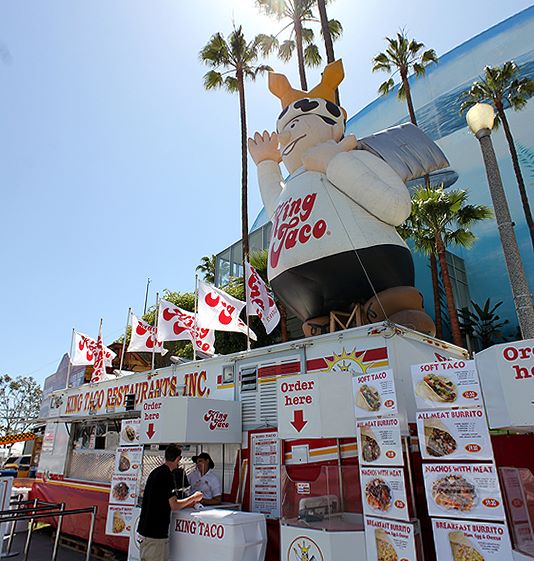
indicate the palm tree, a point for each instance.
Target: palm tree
{"x":329,"y":30}
{"x":301,"y":38}
{"x":448,"y":218}
{"x":402,"y":56}
{"x":207,"y":268}
{"x":423,"y":239}
{"x":232,"y":62}
{"x":502,"y":87}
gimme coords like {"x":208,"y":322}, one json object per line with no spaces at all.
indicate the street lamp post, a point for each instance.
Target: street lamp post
{"x":480,"y":120}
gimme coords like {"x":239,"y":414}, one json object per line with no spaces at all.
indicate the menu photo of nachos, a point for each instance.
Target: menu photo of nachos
{"x":370,"y":447}
{"x":120,"y":491}
{"x":437,"y":388}
{"x":378,"y":494}
{"x":385,"y":550}
{"x":462,"y":548}
{"x":454,"y":492}
{"x":438,"y":440}
{"x":368,"y":398}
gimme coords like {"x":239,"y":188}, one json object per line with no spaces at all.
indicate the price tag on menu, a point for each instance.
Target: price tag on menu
{"x":463,"y":491}
{"x":454,"y":434}
{"x":384,"y":492}
{"x":442,"y":385}
{"x":460,"y":540}
{"x":374,"y":394}
{"x":379,"y":442}
{"x":386,"y":539}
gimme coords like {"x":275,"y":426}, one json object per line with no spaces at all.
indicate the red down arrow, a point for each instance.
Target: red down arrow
{"x":150,"y":432}
{"x":298,"y":420}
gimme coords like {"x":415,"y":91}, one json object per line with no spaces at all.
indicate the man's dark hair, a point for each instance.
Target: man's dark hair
{"x":172,"y":452}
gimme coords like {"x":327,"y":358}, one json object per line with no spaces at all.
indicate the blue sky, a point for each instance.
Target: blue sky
{"x":116,"y":165}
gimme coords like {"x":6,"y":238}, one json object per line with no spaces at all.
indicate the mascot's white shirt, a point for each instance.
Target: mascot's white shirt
{"x":356,"y":205}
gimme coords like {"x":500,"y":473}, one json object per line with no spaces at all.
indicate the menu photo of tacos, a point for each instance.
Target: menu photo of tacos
{"x":436,"y":388}
{"x":370,"y":448}
{"x":368,"y":398}
{"x":462,"y":548}
{"x":439,"y":441}
{"x":385,"y":551}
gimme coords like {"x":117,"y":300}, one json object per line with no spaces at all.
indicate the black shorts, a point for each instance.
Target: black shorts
{"x":337,"y":282}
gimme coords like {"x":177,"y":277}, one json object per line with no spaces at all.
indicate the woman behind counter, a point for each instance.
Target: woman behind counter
{"x":204,"y":479}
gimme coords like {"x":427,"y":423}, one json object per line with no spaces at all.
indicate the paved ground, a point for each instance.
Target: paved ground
{"x":41,"y":549}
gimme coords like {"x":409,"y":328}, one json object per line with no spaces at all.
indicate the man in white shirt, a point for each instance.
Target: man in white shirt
{"x":205,"y":480}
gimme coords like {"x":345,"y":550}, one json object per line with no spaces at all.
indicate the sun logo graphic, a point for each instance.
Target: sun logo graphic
{"x":355,"y":362}
{"x":306,"y":550}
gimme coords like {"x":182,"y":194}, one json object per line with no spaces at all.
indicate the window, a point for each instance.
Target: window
{"x":249,"y":379}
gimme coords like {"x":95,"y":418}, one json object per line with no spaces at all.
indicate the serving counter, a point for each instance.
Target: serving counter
{"x":217,"y":534}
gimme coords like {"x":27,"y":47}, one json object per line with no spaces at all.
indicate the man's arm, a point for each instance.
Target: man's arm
{"x":372,"y":184}
{"x":179,"y":504}
{"x":213,"y":501}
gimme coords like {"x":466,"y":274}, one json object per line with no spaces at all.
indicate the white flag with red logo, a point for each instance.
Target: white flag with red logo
{"x":260,"y":301}
{"x":84,"y":351}
{"x":99,"y":367}
{"x":220,"y":311}
{"x":144,"y":338}
{"x":175,"y":324}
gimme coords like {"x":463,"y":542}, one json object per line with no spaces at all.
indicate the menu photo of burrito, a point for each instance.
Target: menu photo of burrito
{"x":437,"y":388}
{"x":463,"y":549}
{"x":370,"y":447}
{"x":439,"y":441}
{"x":385,"y":550}
{"x":124,"y":461}
{"x":368,"y":398}
{"x":119,"y":524}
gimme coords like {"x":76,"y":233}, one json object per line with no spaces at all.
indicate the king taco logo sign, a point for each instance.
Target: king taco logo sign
{"x":292,"y":226}
{"x":304,"y":549}
{"x":217,"y":420}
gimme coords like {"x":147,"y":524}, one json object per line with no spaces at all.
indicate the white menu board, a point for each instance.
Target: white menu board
{"x":460,"y":540}
{"x":379,"y":442}
{"x":265,"y":477}
{"x":441,"y":385}
{"x":386,"y":539}
{"x":463,"y":490}
{"x":129,"y":432}
{"x":119,"y":520}
{"x":454,"y":434}
{"x":128,"y":459}
{"x":384,"y":492}
{"x":374,"y":394}
{"x":123,"y":489}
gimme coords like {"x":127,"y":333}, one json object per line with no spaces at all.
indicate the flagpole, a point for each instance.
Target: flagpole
{"x":70,"y":358}
{"x":155,"y":323}
{"x":146,"y":294}
{"x":246,"y":301}
{"x":124,"y":342}
{"x":194,"y":341}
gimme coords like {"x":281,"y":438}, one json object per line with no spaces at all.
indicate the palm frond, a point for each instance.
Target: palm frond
{"x":213,"y":80}
{"x":231,"y":84}
{"x":286,"y":49}
{"x":386,"y":87}
{"x":266,"y":43}
{"x":307,"y":35}
{"x":335,"y":28}
{"x":312,"y":56}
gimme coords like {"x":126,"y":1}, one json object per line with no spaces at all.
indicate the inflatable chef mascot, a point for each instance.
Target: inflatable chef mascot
{"x":334,"y":242}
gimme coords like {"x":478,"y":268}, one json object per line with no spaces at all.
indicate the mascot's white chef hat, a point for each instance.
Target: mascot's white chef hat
{"x":318,"y":101}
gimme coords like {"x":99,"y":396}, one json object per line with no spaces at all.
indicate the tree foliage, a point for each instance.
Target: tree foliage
{"x":483,"y":323}
{"x":20,"y":401}
{"x":207,"y":268}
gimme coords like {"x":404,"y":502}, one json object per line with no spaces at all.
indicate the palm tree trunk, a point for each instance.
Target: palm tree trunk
{"x":518,"y":174}
{"x":437,"y":303}
{"x":327,"y":37}
{"x":300,"y":54}
{"x":411,"y":110}
{"x":451,"y":306}
{"x":283,"y":321}
{"x":244,"y":194}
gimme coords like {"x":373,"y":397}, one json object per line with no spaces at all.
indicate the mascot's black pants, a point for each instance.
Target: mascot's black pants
{"x":336,"y":282}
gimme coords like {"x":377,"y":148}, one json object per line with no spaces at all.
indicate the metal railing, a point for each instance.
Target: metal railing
{"x":47,"y":510}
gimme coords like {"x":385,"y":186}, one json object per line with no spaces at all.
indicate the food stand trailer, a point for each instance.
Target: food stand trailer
{"x":84,"y":425}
